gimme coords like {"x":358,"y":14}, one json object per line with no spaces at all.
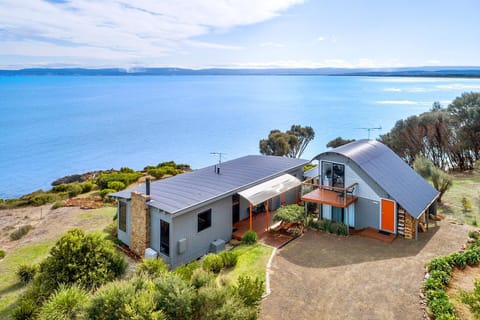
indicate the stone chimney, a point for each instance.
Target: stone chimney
{"x":139,"y":223}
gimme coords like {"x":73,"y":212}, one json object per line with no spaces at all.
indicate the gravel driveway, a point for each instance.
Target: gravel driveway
{"x":322,"y":276}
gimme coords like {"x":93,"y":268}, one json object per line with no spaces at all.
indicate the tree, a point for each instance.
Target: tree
{"x":338,"y":141}
{"x":291,"y":143}
{"x":442,"y":181}
{"x":292,"y":213}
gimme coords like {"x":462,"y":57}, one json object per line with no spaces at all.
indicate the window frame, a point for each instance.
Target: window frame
{"x":206,"y":222}
{"x":164,"y":238}
{"x":122,"y":223}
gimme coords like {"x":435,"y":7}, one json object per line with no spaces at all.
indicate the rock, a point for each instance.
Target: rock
{"x":422,"y":296}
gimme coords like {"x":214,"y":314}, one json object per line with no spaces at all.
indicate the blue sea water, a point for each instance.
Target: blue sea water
{"x":53,"y":126}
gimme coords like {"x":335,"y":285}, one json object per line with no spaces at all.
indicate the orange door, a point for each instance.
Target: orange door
{"x":388,"y":215}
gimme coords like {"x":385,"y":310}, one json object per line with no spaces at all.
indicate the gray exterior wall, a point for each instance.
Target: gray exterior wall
{"x":367,"y":213}
{"x":124,"y":236}
{"x":198,"y":243}
{"x":155,"y":216}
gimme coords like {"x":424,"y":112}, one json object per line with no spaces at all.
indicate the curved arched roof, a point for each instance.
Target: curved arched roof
{"x":391,"y":173}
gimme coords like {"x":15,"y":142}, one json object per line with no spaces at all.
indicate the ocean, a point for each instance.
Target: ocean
{"x":52,"y":126}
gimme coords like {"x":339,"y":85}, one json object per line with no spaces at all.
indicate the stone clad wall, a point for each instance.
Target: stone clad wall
{"x":139,"y":223}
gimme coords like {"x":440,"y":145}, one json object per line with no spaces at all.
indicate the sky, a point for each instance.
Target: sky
{"x":239,"y":33}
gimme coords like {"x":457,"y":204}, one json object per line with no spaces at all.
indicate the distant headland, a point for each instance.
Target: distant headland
{"x":447,"y":71}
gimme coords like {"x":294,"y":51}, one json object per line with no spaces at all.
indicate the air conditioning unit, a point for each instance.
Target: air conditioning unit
{"x":150,"y":254}
{"x":217,"y":246}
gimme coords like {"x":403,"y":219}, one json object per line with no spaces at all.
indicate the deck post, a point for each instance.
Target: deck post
{"x":296,"y":195}
{"x":251,"y":222}
{"x":266,"y":205}
{"x":416,"y":229}
{"x":283,"y":199}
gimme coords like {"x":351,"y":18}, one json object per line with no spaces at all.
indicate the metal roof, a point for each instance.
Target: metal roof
{"x":270,"y":189}
{"x":391,"y":173}
{"x":192,"y":189}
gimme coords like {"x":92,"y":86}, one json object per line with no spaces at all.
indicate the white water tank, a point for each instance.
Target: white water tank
{"x":150,"y":254}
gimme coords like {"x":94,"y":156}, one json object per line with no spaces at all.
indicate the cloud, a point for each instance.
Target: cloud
{"x":272,"y":45}
{"x":122,"y":30}
{"x":321,"y":38}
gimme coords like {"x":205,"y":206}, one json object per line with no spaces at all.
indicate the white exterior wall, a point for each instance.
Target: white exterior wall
{"x":363,"y":190}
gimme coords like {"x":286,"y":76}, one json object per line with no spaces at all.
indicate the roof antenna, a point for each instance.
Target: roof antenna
{"x":220,"y":154}
{"x":370,"y":129}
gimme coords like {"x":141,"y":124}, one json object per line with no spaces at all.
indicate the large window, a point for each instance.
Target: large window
{"x":204,"y":220}
{"x":165,"y":237}
{"x":333,"y":174}
{"x":122,"y":216}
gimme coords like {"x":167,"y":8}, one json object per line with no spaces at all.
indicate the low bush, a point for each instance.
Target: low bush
{"x":125,"y":177}
{"x":87,"y":186}
{"x":65,"y":303}
{"x":174,"y":297}
{"x":25,"y":309}
{"x":249,"y":290}
{"x":20,"y":232}
{"x":105,"y":192}
{"x":472,"y":299}
{"x":250,"y":237}
{"x":26,"y":272}
{"x":439,"y":304}
{"x":229,"y":258}
{"x":201,"y":278}
{"x":2,"y":254}
{"x":186,"y":271}
{"x":440,"y":264}
{"x":458,"y":260}
{"x":473,"y":235}
{"x":472,"y":256}
{"x":74,"y":189}
{"x":60,"y":188}
{"x":151,"y":268}
{"x":42,"y":198}
{"x":212,"y":262}
{"x":58,"y":204}
{"x":116,"y":185}
{"x":466,"y":204}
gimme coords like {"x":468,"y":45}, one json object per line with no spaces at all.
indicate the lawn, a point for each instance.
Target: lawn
{"x":464,"y":185}
{"x":252,"y":261}
{"x":36,"y":250}
{"x":10,"y":288}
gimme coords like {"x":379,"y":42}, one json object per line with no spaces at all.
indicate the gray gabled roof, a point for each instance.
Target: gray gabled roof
{"x":391,"y":173}
{"x":192,"y":189}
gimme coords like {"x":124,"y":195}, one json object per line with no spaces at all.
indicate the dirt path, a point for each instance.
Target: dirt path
{"x":322,"y":276}
{"x":47,"y":224}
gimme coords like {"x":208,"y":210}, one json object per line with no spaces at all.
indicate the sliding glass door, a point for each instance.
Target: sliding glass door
{"x":333,"y":174}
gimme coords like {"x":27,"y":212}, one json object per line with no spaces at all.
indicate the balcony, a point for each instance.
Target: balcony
{"x":334,"y":196}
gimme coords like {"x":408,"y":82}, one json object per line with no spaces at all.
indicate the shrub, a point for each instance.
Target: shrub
{"x":186,"y":271}
{"x":209,"y":299}
{"x":473,"y":235}
{"x":249,"y":290}
{"x":65,"y":303}
{"x":42,"y":198}
{"x":86,"y":260}
{"x":440,"y":264}
{"x":25,"y":309}
{"x":20,"y":232}
{"x":213,"y":263}
{"x":126,"y":170}
{"x":151,"y":267}
{"x":466,"y":204}
{"x":125,"y":177}
{"x":234,"y":309}
{"x":291,"y":213}
{"x":472,"y":256}
{"x":250,"y":237}
{"x":105,"y":192}
{"x":472,"y":299}
{"x":116,"y":185}
{"x":60,"y":188}
{"x":156,"y":172}
{"x":26,"y":272}
{"x":2,"y":254}
{"x":458,"y":260}
{"x":58,"y":204}
{"x":439,"y":303}
{"x":124,"y":300}
{"x":423,"y":166}
{"x":229,"y":258}
{"x":201,"y":278}
{"x":87,"y":186}
{"x":74,"y":189}
{"x":174,"y":297}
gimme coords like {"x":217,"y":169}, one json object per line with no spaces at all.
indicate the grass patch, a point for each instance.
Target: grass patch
{"x":10,"y":287}
{"x":464,"y":185}
{"x":100,"y":214}
{"x":252,"y":262}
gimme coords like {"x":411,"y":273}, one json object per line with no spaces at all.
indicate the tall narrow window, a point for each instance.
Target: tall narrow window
{"x":204,"y":220}
{"x":165,"y":237}
{"x":122,"y":216}
{"x":333,"y":174}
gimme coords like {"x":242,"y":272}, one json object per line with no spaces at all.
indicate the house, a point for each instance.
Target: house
{"x":179,"y":217}
{"x":365,"y":184}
